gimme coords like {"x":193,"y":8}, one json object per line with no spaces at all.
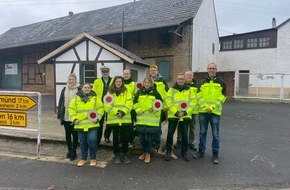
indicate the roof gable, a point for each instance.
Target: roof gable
{"x":115,"y":49}
{"x":139,"y":15}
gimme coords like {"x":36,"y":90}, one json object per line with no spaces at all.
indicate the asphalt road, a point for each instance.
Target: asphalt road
{"x":255,"y":152}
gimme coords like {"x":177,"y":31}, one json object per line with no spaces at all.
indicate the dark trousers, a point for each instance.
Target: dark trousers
{"x":71,"y":136}
{"x":132,"y":133}
{"x":191,"y":128}
{"x":100,"y":131}
{"x":183,"y":125}
{"x":123,"y":132}
{"x":157,"y":136}
{"x":108,"y":131}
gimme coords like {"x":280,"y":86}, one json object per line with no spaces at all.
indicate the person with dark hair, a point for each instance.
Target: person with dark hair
{"x":211,"y":96}
{"x":148,"y":118}
{"x":85,"y":110}
{"x":119,"y":118}
{"x":66,"y":95}
{"x":131,"y":87}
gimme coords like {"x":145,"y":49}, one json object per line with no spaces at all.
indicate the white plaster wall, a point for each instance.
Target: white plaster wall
{"x":283,"y":48}
{"x":93,"y":50}
{"x":62,"y":71}
{"x":67,"y":56}
{"x":116,"y":69}
{"x":205,"y":33}
{"x":256,"y":61}
{"x":141,"y":71}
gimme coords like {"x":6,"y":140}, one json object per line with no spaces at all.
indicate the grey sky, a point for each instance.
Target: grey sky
{"x":233,"y":16}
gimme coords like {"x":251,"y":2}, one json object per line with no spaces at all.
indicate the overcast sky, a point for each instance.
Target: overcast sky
{"x":233,"y":16}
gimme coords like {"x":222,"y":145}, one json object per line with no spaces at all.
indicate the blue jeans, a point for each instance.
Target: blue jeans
{"x":146,"y":141}
{"x":88,"y":142}
{"x":204,"y":120}
{"x":183,"y":125}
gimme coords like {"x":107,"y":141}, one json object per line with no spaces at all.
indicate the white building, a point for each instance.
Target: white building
{"x":261,"y":59}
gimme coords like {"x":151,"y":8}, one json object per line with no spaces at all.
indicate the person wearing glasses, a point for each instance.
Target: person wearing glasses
{"x":211,"y":96}
{"x":162,"y":87}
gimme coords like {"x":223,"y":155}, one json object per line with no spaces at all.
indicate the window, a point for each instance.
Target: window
{"x":165,"y":40}
{"x":252,"y":43}
{"x":227,"y":45}
{"x":238,"y":44}
{"x":89,"y":73}
{"x":134,"y":74}
{"x":164,"y":68}
{"x":264,"y":42}
{"x":213,"y":48}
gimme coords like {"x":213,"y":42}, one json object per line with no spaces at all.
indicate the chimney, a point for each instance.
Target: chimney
{"x":70,"y":13}
{"x":273,"y":23}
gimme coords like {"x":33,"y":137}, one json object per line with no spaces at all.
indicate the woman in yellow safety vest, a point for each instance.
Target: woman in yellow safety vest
{"x":148,"y":116}
{"x":85,"y":110}
{"x":119,"y":118}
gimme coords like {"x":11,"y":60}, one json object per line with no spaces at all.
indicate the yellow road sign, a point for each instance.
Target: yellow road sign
{"x":16,"y":102}
{"x":13,"y":119}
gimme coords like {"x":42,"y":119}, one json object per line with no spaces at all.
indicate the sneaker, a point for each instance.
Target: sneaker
{"x":199,"y":154}
{"x":93,"y":162}
{"x":215,"y":159}
{"x":131,"y":145}
{"x":73,"y":156}
{"x":125,"y":159}
{"x":142,"y":157}
{"x":185,"y":157}
{"x":168,"y":155}
{"x":68,"y":154}
{"x":147,"y":158}
{"x":177,"y":145}
{"x":107,"y":140}
{"x":81,"y":163}
{"x":191,"y":146}
{"x":117,"y":159}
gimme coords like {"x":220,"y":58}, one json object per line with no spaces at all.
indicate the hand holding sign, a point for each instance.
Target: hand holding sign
{"x":183,"y":107}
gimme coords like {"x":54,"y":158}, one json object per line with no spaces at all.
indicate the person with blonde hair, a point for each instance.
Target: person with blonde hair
{"x":148,"y":118}
{"x":66,"y":95}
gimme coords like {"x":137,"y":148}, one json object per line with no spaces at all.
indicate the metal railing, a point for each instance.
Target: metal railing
{"x":262,"y":86}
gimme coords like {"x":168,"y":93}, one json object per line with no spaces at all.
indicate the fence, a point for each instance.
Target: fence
{"x":262,"y":86}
